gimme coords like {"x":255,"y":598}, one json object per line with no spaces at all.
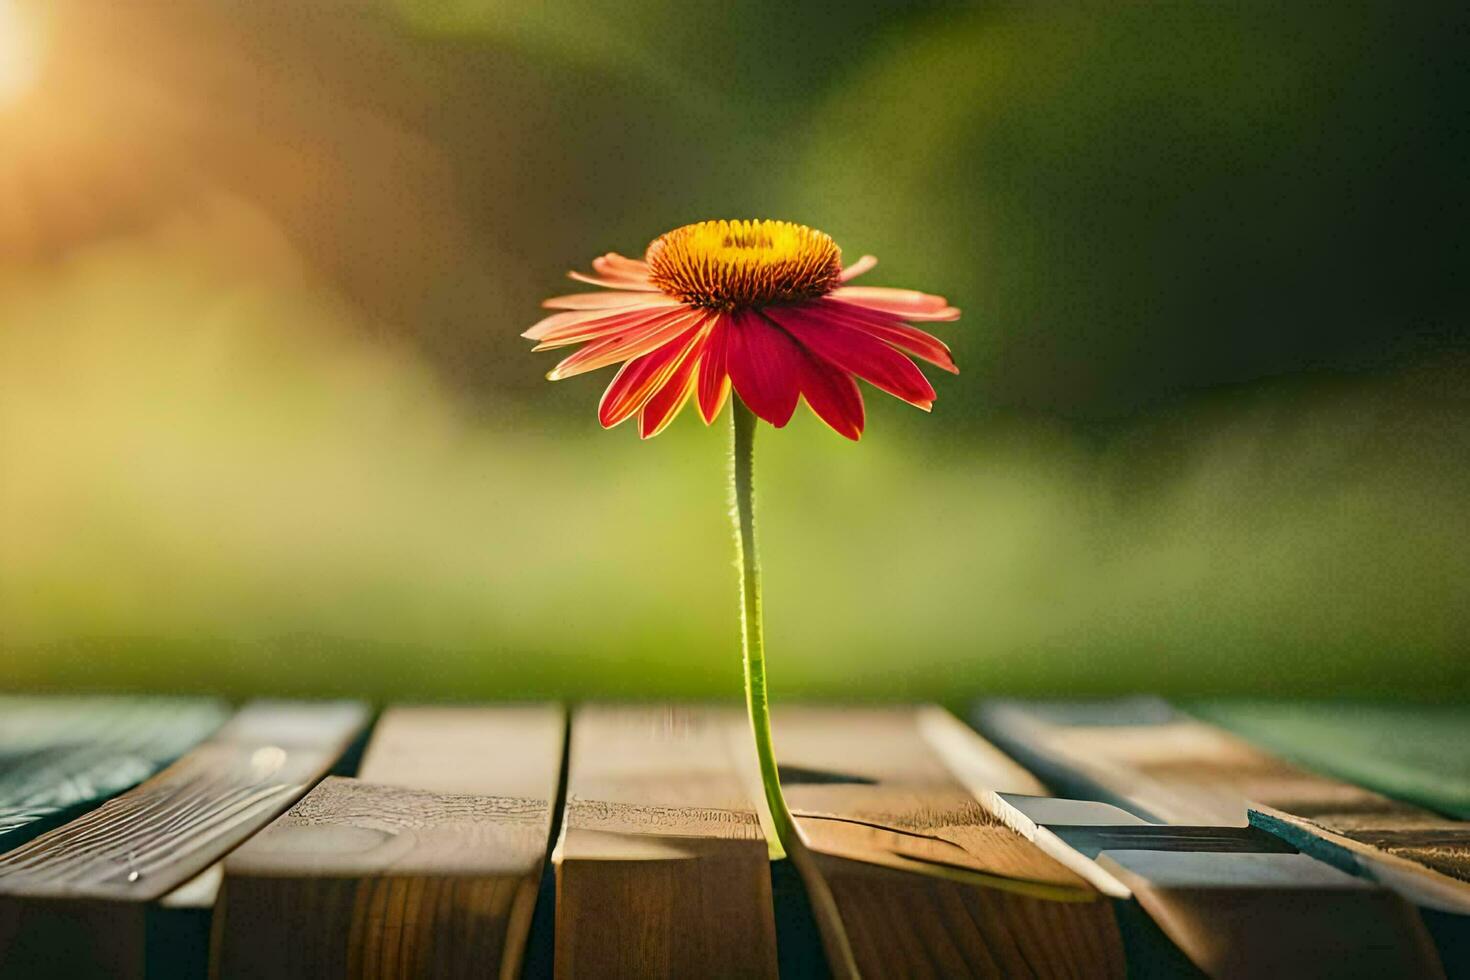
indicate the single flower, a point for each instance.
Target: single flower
{"x":762,"y":306}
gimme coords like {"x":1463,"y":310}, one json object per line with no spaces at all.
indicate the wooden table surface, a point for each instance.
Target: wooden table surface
{"x":616,"y":839}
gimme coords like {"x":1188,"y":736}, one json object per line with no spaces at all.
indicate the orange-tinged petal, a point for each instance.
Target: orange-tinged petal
{"x":906,"y":338}
{"x":904,"y":303}
{"x":603,"y":328}
{"x":660,"y":409}
{"x":640,"y":285}
{"x":596,"y":301}
{"x":832,"y":395}
{"x":615,"y":266}
{"x":763,"y":309}
{"x":859,"y":267}
{"x":714,"y":375}
{"x":624,"y":346}
{"x":855,"y":351}
{"x":637,"y":380}
{"x":907,"y":298}
{"x":763,"y":362}
{"x":559,"y":324}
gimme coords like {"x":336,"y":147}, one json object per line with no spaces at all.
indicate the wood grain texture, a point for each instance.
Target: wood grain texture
{"x":913,"y":873}
{"x":1412,"y":752}
{"x":1169,"y":768}
{"x":426,"y":865}
{"x":1142,"y":755}
{"x":77,"y":901}
{"x":1411,"y":860}
{"x":60,"y":756}
{"x":1231,"y":913}
{"x":1275,"y":915}
{"x":662,"y":869}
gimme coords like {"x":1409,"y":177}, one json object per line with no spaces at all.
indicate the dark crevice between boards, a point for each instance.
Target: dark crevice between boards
{"x":1151,"y":955}
{"x":799,"y":951}
{"x":177,"y":940}
{"x":1449,"y":931}
{"x":1451,"y":936}
{"x":799,"y":776}
{"x":178,"y":936}
{"x":351,"y":759}
{"x":1092,"y":841}
{"x":539,"y":962}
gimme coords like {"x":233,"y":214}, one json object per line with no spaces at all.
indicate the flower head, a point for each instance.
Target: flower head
{"x":760,"y":305}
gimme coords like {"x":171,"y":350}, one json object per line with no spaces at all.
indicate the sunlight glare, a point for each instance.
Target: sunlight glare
{"x":20,"y":53}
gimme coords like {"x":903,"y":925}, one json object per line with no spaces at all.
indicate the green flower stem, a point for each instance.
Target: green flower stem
{"x":742,"y":472}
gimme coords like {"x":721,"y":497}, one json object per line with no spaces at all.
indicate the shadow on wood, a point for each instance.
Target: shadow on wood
{"x":662,"y":867}
{"x":427,"y":865}
{"x":912,"y":874}
{"x":77,"y":901}
{"x":1237,"y":901}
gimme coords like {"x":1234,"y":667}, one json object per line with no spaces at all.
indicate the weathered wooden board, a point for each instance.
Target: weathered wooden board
{"x":1413,"y":752}
{"x":1236,"y":901}
{"x":425,"y":865}
{"x":1144,"y":756}
{"x":1147,"y":758}
{"x":78,"y":900}
{"x":60,"y":756}
{"x":662,"y":869}
{"x":914,"y":869}
{"x":1427,"y":858}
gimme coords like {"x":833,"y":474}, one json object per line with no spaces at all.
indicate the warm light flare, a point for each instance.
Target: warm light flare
{"x":20,"y":52}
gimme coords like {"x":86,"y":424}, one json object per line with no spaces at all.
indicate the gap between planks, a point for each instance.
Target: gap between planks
{"x":426,"y":864}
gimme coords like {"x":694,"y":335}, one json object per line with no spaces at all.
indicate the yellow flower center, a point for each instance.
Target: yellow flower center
{"x":728,"y":265}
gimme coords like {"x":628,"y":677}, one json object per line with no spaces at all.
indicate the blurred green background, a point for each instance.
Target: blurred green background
{"x":267,"y":425}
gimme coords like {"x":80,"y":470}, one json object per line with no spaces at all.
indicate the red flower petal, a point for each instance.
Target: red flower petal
{"x":859,"y":267}
{"x":906,"y":304}
{"x":855,"y":351}
{"x":635,"y":342}
{"x":559,"y":326}
{"x":611,"y":330}
{"x":637,"y":380}
{"x":832,"y":395}
{"x":900,"y":335}
{"x":714,"y":375}
{"x":763,"y":363}
{"x":660,"y":409}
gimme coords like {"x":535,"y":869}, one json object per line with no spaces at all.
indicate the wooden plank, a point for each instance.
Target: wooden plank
{"x":1235,"y":901}
{"x":1170,"y":768}
{"x":1141,"y":755}
{"x":80,"y":900}
{"x":662,"y":869}
{"x":1396,"y":859}
{"x":61,"y":756}
{"x":1431,"y":863}
{"x":914,"y":873}
{"x":1413,"y":752}
{"x":425,"y":865}
{"x":1275,"y":915}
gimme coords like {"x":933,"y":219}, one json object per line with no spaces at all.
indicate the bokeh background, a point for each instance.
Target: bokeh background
{"x":267,"y":425}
